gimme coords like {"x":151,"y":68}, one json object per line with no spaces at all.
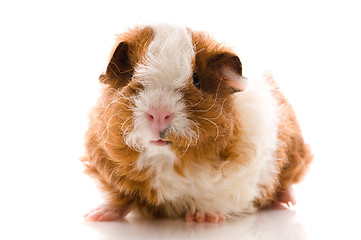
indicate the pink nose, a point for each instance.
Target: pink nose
{"x":159,"y":120}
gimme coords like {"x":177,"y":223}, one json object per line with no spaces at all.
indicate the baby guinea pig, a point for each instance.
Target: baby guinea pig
{"x":178,"y":131}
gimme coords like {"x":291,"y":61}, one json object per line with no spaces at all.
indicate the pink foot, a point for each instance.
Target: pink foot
{"x":106,"y":213}
{"x":205,"y":217}
{"x":286,"y":200}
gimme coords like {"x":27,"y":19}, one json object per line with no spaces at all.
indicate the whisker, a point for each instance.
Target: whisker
{"x":121,"y":72}
{"x":221,"y":111}
{"x":198,"y":132}
{"x":121,"y":94}
{"x":206,"y":119}
{"x":105,"y":147}
{"x":107,"y":128}
{"x":113,"y":70}
{"x":185,"y":151}
{"x":106,"y":150}
{"x":117,"y":101}
{"x":214,"y":102}
{"x":200,"y":50}
{"x":196,"y":103}
{"x":121,"y":128}
{"x":126,"y":130}
{"x":177,"y":148}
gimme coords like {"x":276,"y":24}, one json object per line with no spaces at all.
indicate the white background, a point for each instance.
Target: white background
{"x":52,"y":52}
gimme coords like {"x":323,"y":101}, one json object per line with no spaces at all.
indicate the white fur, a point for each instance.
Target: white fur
{"x":259,"y":114}
{"x":167,"y":69}
{"x":168,"y":62}
{"x":141,"y":135}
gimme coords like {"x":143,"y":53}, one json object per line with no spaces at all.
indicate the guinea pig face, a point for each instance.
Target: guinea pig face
{"x":171,"y":87}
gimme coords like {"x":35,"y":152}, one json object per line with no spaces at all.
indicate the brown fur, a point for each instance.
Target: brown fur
{"x":210,"y":57}
{"x":129,"y":51}
{"x":113,"y":163}
{"x":108,"y":158}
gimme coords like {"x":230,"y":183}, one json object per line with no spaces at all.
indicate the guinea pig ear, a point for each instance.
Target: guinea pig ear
{"x":120,"y":69}
{"x":229,"y":68}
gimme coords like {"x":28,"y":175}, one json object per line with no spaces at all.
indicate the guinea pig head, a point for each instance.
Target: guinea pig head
{"x":170,"y":87}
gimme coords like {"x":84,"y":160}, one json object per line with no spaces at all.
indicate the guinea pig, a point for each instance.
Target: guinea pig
{"x":178,"y":131}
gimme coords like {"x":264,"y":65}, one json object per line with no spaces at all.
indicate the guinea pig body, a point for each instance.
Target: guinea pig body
{"x":179,"y":132}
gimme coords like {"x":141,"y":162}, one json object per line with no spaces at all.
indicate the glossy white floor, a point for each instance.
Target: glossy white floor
{"x":50,"y":57}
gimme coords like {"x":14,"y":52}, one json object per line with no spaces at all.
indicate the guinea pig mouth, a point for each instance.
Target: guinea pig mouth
{"x":160,"y":142}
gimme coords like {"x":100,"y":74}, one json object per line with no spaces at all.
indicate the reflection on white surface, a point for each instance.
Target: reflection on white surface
{"x":270,"y":225}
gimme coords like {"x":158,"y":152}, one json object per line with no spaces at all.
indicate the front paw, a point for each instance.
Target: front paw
{"x":205,"y":217}
{"x":106,"y":213}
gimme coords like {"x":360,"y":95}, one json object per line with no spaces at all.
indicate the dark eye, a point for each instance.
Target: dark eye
{"x":196,"y":81}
